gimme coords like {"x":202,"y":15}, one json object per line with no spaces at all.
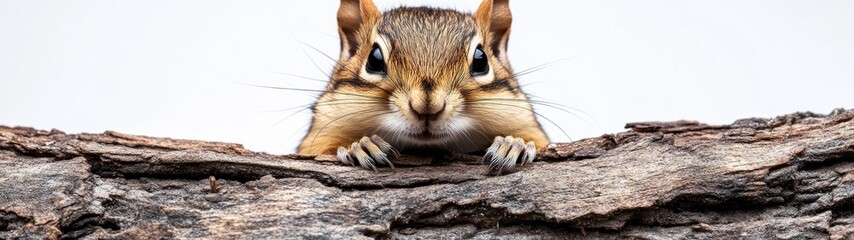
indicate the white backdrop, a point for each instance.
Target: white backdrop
{"x":173,"y":68}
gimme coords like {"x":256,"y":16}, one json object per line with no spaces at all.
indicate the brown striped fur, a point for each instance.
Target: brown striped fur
{"x":428,"y":63}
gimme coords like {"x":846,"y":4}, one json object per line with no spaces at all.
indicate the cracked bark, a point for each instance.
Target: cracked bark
{"x":786,"y":177}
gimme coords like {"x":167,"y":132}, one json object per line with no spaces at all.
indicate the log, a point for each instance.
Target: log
{"x":789,"y":177}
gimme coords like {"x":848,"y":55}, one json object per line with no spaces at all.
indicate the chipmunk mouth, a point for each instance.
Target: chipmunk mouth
{"x":404,"y":133}
{"x":425,"y":135}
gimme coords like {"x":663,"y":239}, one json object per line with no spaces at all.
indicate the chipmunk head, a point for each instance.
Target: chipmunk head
{"x":431,"y":67}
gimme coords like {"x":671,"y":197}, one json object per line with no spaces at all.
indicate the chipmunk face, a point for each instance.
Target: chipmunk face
{"x":430,"y":60}
{"x":425,"y":77}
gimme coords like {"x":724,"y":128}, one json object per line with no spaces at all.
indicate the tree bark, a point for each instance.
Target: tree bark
{"x":789,"y":177}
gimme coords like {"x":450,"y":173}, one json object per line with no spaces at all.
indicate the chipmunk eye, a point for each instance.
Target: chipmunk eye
{"x":479,"y":65}
{"x":375,"y":64}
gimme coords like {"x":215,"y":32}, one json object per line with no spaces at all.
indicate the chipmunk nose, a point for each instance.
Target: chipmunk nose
{"x":427,"y":113}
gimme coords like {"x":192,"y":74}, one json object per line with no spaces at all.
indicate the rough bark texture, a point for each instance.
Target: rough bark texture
{"x":790,"y":177}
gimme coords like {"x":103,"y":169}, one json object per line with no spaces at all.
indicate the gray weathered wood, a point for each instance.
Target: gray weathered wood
{"x":787,"y":177}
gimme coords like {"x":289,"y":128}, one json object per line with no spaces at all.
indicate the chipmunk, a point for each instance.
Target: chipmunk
{"x":423,"y":78}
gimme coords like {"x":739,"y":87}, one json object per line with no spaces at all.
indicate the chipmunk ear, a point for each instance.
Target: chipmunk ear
{"x":355,"y":19}
{"x":495,"y":17}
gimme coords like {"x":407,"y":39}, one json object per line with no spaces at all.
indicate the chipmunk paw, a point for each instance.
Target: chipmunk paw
{"x":368,"y":153}
{"x":507,"y":152}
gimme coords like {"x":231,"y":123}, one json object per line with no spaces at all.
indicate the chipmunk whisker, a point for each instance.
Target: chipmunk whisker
{"x":303,"y":77}
{"x":489,"y":105}
{"x":563,"y":108}
{"x":312,"y":90}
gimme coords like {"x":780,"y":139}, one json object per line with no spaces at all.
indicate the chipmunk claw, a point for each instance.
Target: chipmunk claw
{"x":507,"y":152}
{"x":368,"y":153}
